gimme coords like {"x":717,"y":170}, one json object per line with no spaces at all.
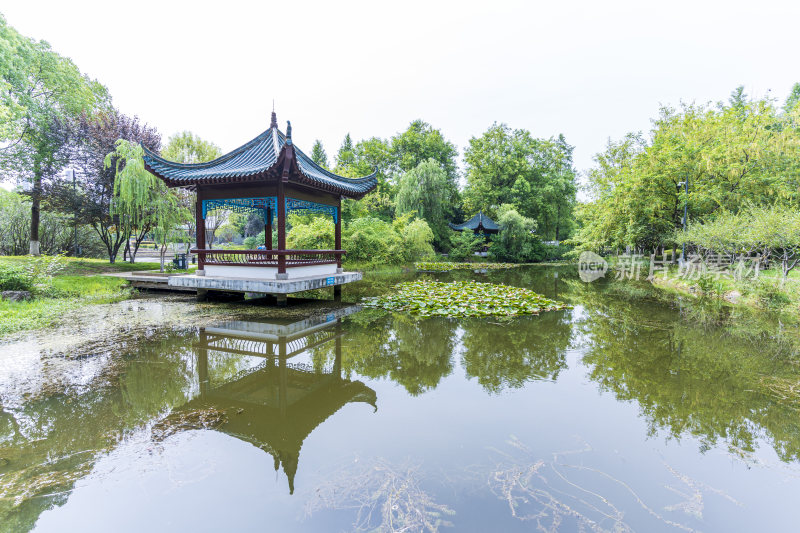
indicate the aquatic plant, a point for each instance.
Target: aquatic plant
{"x":463,"y":299}
{"x":385,"y":497}
{"x":434,"y":266}
{"x":544,"y":492}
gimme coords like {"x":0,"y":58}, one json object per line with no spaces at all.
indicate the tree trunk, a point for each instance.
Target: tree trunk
{"x":163,"y":252}
{"x":36,"y":197}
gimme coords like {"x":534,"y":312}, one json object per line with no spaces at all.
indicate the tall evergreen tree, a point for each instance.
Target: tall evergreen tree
{"x":318,"y":154}
{"x":345,"y":158}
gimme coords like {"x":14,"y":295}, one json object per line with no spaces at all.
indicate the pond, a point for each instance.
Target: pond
{"x":622,"y":413}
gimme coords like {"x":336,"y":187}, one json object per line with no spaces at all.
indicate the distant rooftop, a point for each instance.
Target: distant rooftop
{"x":479,"y":222}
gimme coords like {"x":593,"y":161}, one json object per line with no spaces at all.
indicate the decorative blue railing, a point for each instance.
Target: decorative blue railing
{"x":268,"y":207}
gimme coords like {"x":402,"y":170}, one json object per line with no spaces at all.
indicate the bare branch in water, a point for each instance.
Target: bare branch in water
{"x":386,"y":498}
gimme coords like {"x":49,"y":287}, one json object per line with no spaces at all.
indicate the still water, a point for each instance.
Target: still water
{"x":623,"y":413}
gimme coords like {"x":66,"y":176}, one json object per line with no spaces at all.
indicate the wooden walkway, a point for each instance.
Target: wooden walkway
{"x":147,"y":279}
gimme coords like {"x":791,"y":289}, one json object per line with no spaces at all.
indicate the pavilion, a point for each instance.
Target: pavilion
{"x":271,"y":177}
{"x":480,"y":223}
{"x":276,"y":404}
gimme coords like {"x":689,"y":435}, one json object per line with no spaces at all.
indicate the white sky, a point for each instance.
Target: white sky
{"x":591,"y":70}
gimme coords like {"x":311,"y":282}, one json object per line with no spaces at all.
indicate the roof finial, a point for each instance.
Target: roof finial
{"x":288,"y":132}
{"x":274,"y":122}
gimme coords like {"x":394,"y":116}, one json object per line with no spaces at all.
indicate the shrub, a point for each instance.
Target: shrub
{"x":251,"y":243}
{"x":555,"y":253}
{"x":14,"y":278}
{"x":516,"y":242}
{"x":465,"y":244}
{"x":373,"y":240}
{"x":417,"y":240}
{"x":770,"y":294}
{"x":314,"y":233}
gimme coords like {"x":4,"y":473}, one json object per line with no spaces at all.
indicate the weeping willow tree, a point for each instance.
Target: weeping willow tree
{"x":141,"y":199}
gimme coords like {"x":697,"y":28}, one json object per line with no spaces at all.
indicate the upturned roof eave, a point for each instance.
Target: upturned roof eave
{"x":339,"y":185}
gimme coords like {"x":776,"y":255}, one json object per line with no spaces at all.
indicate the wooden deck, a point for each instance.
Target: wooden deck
{"x":147,"y":279}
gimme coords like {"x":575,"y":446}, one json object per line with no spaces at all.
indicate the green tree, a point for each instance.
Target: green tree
{"x":417,"y":239}
{"x":424,"y":191}
{"x":516,"y":241}
{"x":186,"y":147}
{"x":140,"y":198}
{"x":345,"y":157}
{"x":733,"y":155}
{"x":536,"y":176}
{"x":90,"y":202}
{"x":41,"y":92}
{"x":422,"y":142}
{"x":362,"y":159}
{"x":792,"y":99}
{"x":318,"y":154}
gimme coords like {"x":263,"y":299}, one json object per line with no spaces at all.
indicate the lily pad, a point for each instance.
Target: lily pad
{"x":463,"y":299}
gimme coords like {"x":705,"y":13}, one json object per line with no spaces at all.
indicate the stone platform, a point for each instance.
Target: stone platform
{"x":261,"y":285}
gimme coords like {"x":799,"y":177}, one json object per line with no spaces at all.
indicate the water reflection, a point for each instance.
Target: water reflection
{"x":710,"y":382}
{"x":275,"y":404}
{"x":509,"y":355}
{"x":412,"y":353}
{"x":705,"y":375}
{"x":74,"y":408}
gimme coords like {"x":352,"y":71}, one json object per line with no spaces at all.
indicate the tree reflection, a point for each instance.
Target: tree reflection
{"x":52,"y":436}
{"x":416,"y":354}
{"x":688,"y":379}
{"x":509,"y":355}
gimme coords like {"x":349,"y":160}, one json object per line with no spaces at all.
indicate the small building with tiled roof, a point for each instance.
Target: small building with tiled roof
{"x":480,"y":223}
{"x":271,"y":176}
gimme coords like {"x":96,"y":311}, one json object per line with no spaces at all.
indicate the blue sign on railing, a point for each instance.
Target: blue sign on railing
{"x":330,"y":281}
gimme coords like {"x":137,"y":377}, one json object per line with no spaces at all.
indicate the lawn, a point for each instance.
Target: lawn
{"x":87,"y":266}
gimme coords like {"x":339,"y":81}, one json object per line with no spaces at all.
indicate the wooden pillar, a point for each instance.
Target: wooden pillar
{"x":268,"y":230}
{"x":337,"y":360}
{"x":202,"y":362}
{"x":338,"y":234}
{"x":281,"y":228}
{"x":283,"y":378}
{"x":200,"y":227}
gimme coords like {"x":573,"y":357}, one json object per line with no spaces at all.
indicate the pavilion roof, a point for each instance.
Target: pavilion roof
{"x":281,"y":429}
{"x":271,"y":155}
{"x":477,"y":223}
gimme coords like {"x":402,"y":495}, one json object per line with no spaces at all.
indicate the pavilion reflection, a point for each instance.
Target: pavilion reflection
{"x":277,"y":403}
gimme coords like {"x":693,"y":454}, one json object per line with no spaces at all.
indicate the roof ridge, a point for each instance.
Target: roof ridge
{"x":221,"y":159}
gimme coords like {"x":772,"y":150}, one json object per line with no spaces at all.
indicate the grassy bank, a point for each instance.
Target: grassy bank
{"x":764,"y":292}
{"x":67,"y":293}
{"x":75,"y":266}
{"x":78,"y":284}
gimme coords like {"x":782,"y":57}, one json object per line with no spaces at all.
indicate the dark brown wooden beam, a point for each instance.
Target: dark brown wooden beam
{"x":281,"y":227}
{"x":338,"y":232}
{"x":200,"y":227}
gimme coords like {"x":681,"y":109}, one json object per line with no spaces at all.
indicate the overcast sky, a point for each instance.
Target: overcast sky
{"x":590,"y":70}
